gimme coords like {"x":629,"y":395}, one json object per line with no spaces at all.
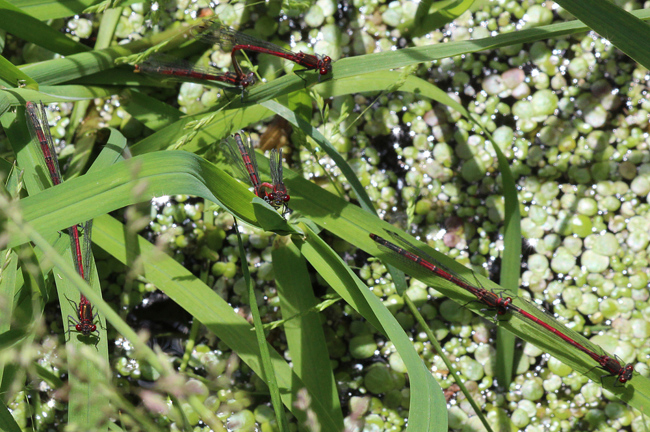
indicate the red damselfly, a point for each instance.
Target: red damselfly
{"x":85,"y":323}
{"x":501,"y":304}
{"x":242,"y":154}
{"x":212,"y":31}
{"x":40,"y":130}
{"x":607,"y":363}
{"x":504,"y":304}
{"x":181,"y":69}
{"x":280,"y":196}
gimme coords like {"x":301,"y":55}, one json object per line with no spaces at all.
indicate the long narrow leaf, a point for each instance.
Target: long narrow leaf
{"x":622,"y":28}
{"x":206,"y":306}
{"x":305,"y":337}
{"x":26,"y":27}
{"x":268,"y":374}
{"x":428,"y":410}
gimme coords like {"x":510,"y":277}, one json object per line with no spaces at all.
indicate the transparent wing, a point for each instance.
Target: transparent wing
{"x":211,"y":30}
{"x":87,"y":250}
{"x":276,"y":167}
{"x":39,"y":128}
{"x":242,"y":156}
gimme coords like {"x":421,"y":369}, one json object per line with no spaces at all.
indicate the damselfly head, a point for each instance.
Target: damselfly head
{"x":249,"y":79}
{"x":325,"y":65}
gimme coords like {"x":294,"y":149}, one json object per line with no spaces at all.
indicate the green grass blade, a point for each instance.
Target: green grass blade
{"x":305,"y":337}
{"x":60,"y":70}
{"x":196,"y":134}
{"x":268,"y":375}
{"x":206,"y":306}
{"x":444,"y":12}
{"x":54,"y":9}
{"x":13,"y":77}
{"x":49,"y":94}
{"x":157,"y":174}
{"x":26,"y":27}
{"x":9,"y":266}
{"x":624,"y":29}
{"x":107,"y":27}
{"x":7,"y":422}
{"x":428,"y":409}
{"x":112,"y":152}
{"x":153,"y":113}
{"x":510,"y":265}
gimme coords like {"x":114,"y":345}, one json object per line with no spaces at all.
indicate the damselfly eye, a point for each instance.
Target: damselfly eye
{"x":323,"y":71}
{"x":93,"y":328}
{"x":78,"y":327}
{"x":286,"y":198}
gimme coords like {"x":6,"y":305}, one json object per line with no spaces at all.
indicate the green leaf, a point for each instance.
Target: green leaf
{"x":209,"y":308}
{"x":428,"y":18}
{"x":7,"y":422}
{"x":26,"y":27}
{"x":268,"y":375}
{"x":623,"y":29}
{"x":153,"y":113}
{"x":14,"y":77}
{"x":78,"y":65}
{"x":304,"y":333}
{"x":112,"y":151}
{"x":156,"y":174}
{"x":427,"y":411}
{"x":49,"y":9}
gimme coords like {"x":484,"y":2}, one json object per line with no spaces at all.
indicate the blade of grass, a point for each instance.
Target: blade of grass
{"x":202,"y":135}
{"x":450,"y":367}
{"x":623,"y":29}
{"x":155,"y":114}
{"x":54,"y":9}
{"x":112,"y":151}
{"x":26,"y":27}
{"x":304,"y":333}
{"x":49,"y":94}
{"x":445,"y":11}
{"x":13,"y":77}
{"x":208,"y":307}
{"x":156,"y":174}
{"x":268,"y":374}
{"x":8,"y":273}
{"x":428,"y":410}
{"x":7,"y":421}
{"x":107,"y":27}
{"x":74,"y":66}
